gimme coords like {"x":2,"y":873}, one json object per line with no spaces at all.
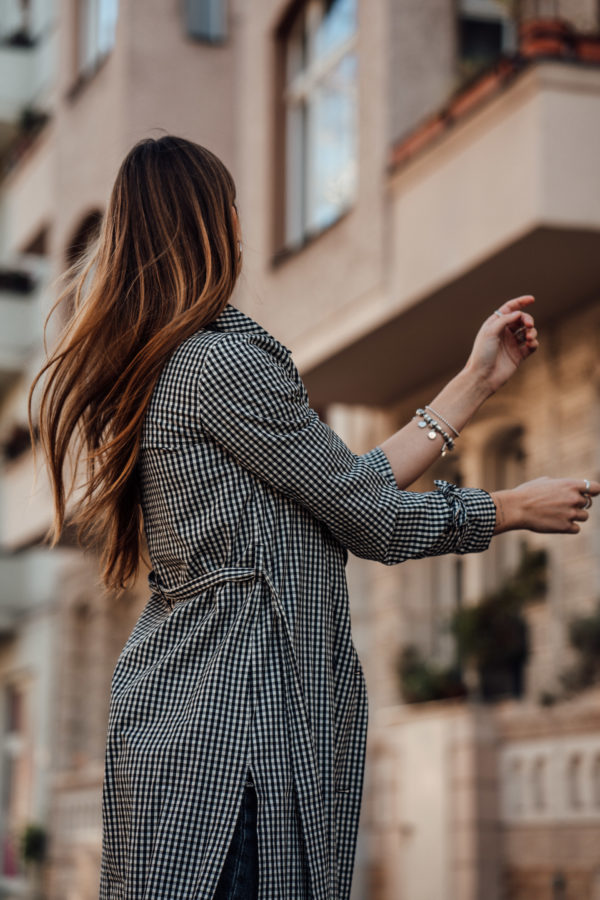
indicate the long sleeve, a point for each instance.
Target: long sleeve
{"x":256,"y":407}
{"x":377,"y":459}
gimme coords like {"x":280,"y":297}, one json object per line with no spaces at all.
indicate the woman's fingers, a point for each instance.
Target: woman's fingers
{"x":517,"y":303}
{"x":558,"y":504}
{"x":582,"y":503}
{"x":580,"y":516}
{"x":580,"y":485}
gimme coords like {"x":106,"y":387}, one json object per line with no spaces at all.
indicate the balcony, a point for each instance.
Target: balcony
{"x":500,"y":198}
{"x":26,"y":75}
{"x":22,"y":288}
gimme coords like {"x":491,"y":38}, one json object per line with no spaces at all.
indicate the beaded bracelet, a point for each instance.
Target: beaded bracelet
{"x":436,"y":429}
{"x":445,"y":421}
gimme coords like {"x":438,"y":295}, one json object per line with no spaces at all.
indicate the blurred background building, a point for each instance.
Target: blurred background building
{"x":403,"y":168}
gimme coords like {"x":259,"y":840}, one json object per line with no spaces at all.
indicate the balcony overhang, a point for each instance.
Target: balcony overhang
{"x":503,"y":203}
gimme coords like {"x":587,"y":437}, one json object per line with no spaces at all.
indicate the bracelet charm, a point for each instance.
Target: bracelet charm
{"x":435,"y":429}
{"x":451,"y":427}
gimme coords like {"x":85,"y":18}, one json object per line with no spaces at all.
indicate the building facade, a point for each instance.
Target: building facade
{"x":403,"y":167}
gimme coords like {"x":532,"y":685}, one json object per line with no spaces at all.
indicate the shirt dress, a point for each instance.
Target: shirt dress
{"x":242,"y":658}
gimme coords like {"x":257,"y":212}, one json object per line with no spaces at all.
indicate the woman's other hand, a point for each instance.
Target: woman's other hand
{"x":549,"y":505}
{"x":503,"y":342}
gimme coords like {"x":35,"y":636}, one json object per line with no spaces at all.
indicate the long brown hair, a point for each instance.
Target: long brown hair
{"x":164,"y":264}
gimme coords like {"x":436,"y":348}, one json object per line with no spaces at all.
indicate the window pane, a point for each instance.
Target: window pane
{"x":596,"y":782}
{"x":107,"y":23}
{"x":86,"y":37}
{"x":205,"y":19}
{"x":97,"y":28}
{"x":295,"y":173}
{"x":333,"y":143}
{"x":480,"y":40}
{"x":338,"y":24}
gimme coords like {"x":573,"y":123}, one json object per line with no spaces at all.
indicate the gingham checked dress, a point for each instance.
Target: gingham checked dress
{"x":243,"y":658}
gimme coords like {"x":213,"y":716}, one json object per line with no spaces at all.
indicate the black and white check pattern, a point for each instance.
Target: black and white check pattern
{"x":243,"y":655}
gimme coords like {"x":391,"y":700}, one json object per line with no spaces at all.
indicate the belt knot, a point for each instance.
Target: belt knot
{"x":257,"y":567}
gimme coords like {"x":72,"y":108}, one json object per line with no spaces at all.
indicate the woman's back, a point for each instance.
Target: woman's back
{"x":242,"y":658}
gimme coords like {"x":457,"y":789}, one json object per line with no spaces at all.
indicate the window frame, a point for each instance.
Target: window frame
{"x":85,"y":70}
{"x":292,"y":188}
{"x":482,"y":11}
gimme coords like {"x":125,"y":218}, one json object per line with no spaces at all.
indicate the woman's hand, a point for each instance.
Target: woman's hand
{"x":545,"y":505}
{"x":503,"y":342}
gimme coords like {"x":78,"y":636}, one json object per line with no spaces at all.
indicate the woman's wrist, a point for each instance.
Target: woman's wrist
{"x":460,"y":399}
{"x":508,"y":511}
{"x":476,"y":383}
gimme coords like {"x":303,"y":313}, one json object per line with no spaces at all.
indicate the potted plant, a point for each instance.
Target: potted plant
{"x":33,"y":852}
{"x":492,"y":636}
{"x":421,"y":681}
{"x":584,"y":637}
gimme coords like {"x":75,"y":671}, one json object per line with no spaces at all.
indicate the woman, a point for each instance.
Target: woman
{"x":238,"y":709}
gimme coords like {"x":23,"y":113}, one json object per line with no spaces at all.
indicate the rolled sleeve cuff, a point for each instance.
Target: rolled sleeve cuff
{"x":473,"y":516}
{"x":377,"y":459}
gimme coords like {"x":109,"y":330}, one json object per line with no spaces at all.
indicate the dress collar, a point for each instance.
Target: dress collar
{"x":233,"y":319}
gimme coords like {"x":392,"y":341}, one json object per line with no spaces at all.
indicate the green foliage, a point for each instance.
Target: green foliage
{"x":33,"y":843}
{"x":491,"y":633}
{"x":421,"y":681}
{"x":530,"y":580}
{"x":584,"y":637}
{"x":32,"y":119}
{"x":494,"y":630}
{"x":492,"y":636}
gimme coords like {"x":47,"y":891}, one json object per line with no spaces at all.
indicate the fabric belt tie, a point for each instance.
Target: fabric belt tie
{"x":306,"y":775}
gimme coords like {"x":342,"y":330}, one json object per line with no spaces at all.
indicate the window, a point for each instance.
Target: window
{"x":16,"y":773}
{"x":596,"y":782}
{"x":515,"y":787}
{"x":206,"y":19}
{"x":574,"y":782}
{"x":504,"y":467}
{"x":320,"y":117}
{"x":485,"y":30}
{"x":538,"y":784}
{"x":96,"y":27}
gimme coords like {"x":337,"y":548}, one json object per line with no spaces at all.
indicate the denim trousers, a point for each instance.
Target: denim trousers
{"x":239,"y":878}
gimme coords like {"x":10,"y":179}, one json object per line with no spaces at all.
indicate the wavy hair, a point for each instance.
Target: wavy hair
{"x":164,"y":264}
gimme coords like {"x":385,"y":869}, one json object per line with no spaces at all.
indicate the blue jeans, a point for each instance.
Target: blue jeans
{"x":239,"y":878}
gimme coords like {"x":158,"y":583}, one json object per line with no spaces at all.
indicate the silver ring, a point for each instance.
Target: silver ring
{"x":497,"y":312}
{"x":588,"y":502}
{"x":587,"y":484}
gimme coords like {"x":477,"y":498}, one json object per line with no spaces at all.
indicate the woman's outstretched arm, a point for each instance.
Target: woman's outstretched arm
{"x":495,"y":356}
{"x":544,"y":504}
{"x":410,"y":451}
{"x":256,"y":408}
